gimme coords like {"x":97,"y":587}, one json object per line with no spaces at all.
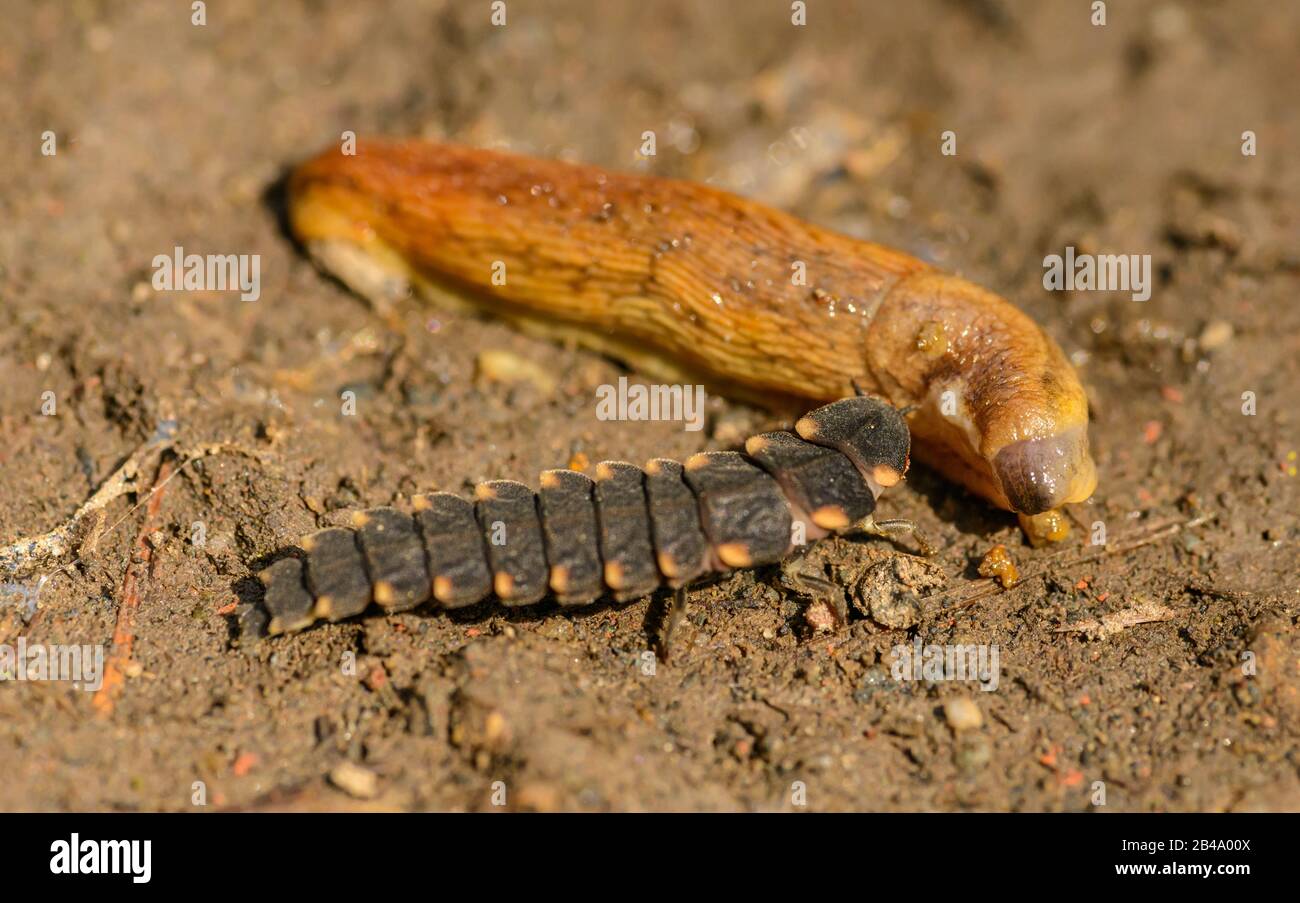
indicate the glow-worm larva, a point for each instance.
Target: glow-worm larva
{"x":690,"y":283}
{"x":624,"y":534}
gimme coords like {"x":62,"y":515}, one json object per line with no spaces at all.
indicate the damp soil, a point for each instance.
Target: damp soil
{"x":1158,"y":672}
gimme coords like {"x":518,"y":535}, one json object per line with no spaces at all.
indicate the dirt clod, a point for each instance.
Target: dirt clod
{"x":890,"y":591}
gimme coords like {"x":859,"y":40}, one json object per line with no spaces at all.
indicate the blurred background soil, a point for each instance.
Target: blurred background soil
{"x":1124,"y":138}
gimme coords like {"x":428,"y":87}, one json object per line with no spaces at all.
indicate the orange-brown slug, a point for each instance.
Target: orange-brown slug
{"x":687,"y":282}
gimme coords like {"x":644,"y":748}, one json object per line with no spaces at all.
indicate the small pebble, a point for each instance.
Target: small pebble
{"x":495,"y":729}
{"x":500,"y":366}
{"x":820,"y":616}
{"x":963,"y":714}
{"x":539,"y":797}
{"x":375,"y":678}
{"x":1216,"y":334}
{"x":354,"y":780}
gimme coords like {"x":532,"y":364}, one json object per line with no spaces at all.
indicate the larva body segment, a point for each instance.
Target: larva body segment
{"x":289,"y":603}
{"x":826,"y":491}
{"x":681,"y":548}
{"x":623,"y":535}
{"x":864,"y":434}
{"x":336,"y":574}
{"x":691,"y":283}
{"x":507,"y":515}
{"x":454,"y":548}
{"x":394,"y":557}
{"x":630,"y":570}
{"x":572,"y":536}
{"x":745,"y":516}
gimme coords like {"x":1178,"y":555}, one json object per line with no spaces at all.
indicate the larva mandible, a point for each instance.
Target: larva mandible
{"x":689,"y":283}
{"x":624,"y":534}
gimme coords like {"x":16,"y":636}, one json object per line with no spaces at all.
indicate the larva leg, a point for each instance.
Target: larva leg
{"x":669,"y":617}
{"x":794,"y":577}
{"x":806,"y":583}
{"x":894,"y":528}
{"x":812,"y":585}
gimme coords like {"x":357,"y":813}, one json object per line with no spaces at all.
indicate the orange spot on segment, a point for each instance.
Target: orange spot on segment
{"x":885,"y":475}
{"x":1151,"y":431}
{"x":1171,"y":394}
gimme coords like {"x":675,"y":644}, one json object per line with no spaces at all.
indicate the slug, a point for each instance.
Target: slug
{"x":688,"y":283}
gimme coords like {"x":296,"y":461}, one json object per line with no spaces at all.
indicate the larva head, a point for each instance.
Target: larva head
{"x":869,"y":431}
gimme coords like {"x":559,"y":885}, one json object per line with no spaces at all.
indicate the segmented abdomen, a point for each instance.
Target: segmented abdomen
{"x":624,"y":534}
